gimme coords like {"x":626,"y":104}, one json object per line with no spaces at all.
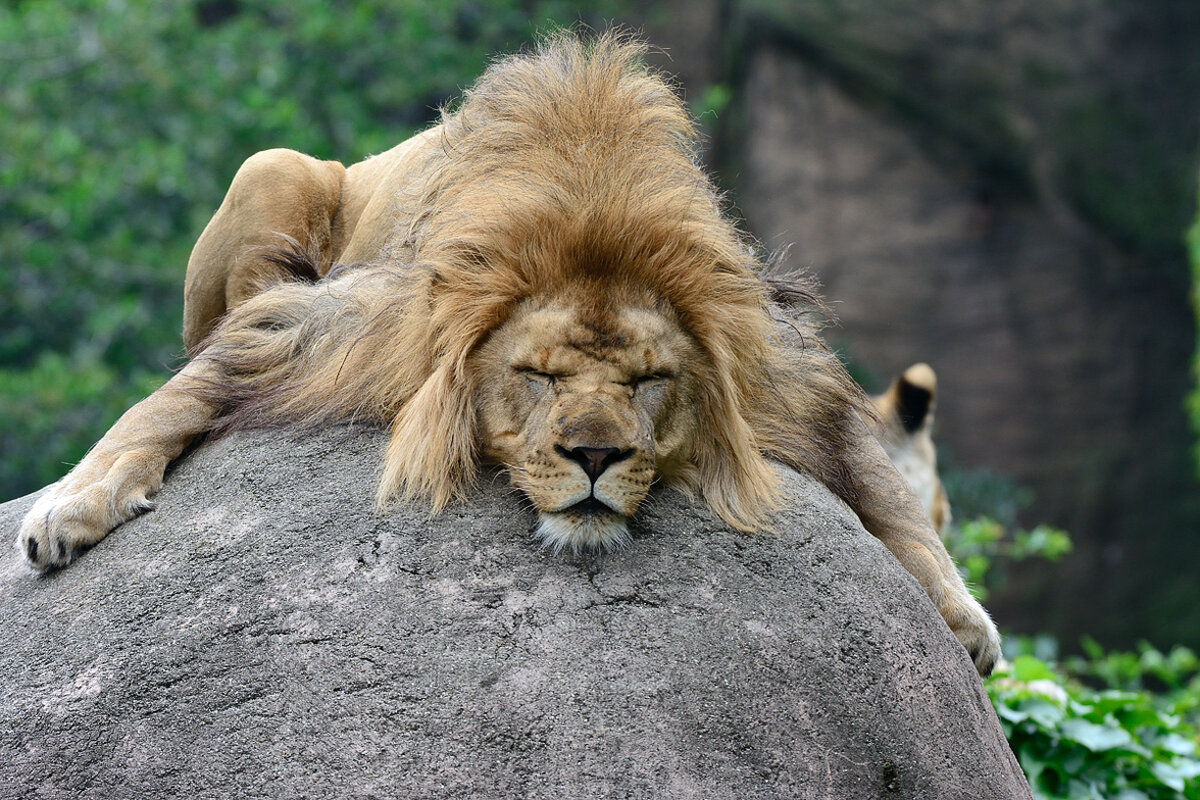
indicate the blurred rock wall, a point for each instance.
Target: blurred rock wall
{"x":1001,"y":190}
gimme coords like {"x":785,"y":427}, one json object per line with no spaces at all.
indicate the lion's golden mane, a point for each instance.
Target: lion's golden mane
{"x":572,"y":168}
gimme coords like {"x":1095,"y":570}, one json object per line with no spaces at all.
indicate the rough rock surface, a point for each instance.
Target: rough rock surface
{"x":265,"y":634}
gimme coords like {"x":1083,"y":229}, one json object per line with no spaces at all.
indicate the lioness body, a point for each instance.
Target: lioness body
{"x":905,"y":412}
{"x":546,"y":281}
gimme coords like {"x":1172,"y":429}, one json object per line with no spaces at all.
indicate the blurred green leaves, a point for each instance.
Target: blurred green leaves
{"x":979,"y":544}
{"x":1193,"y":400}
{"x":53,"y":409}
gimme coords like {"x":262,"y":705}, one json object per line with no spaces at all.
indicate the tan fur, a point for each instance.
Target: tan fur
{"x":546,"y":280}
{"x":905,"y":412}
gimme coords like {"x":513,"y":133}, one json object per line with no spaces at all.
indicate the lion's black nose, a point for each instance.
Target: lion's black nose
{"x":594,"y":460}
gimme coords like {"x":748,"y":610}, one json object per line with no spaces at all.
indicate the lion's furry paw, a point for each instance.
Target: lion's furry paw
{"x":66,"y":521}
{"x":977,"y":633}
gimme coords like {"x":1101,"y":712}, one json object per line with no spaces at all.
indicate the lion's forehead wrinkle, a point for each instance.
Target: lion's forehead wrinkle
{"x":599,"y":351}
{"x":617,"y":346}
{"x":601,"y":331}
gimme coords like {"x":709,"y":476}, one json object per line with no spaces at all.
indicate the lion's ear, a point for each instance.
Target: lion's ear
{"x":736,"y":481}
{"x":432,"y":452}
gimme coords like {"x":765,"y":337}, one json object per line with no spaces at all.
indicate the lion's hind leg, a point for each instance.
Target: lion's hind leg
{"x":113,"y":482}
{"x":277,"y":197}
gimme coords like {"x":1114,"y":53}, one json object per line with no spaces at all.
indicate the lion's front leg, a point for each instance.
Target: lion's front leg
{"x":114,"y":480}
{"x":890,"y":511}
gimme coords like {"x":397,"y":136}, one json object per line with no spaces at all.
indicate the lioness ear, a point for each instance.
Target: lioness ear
{"x":432,"y":452}
{"x":915,"y":394}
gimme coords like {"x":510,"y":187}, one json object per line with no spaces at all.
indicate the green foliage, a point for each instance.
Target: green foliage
{"x":123,"y":124}
{"x":983,"y":548}
{"x":989,"y":540}
{"x":1174,"y":676}
{"x":712,"y":101}
{"x":1076,"y":742}
{"x":53,"y":409}
{"x":979,"y":544}
{"x":1119,"y":726}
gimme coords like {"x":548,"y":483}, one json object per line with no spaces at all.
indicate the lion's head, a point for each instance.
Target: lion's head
{"x":587,"y":407}
{"x":562,"y":294}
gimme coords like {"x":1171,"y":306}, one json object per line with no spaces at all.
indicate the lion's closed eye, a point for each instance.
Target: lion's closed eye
{"x":649,"y":385}
{"x":535,"y":379}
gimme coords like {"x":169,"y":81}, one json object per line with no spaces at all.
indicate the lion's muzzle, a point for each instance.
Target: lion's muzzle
{"x":598,"y":473}
{"x":594,"y":460}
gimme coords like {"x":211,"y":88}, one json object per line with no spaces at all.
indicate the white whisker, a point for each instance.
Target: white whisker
{"x":597,"y":532}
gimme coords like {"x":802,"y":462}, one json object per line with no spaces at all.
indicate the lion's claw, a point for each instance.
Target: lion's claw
{"x":62,"y":524}
{"x":977,"y":633}
{"x":44,"y":543}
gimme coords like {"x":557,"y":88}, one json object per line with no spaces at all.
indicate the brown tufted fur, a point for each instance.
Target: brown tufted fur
{"x":556,"y":208}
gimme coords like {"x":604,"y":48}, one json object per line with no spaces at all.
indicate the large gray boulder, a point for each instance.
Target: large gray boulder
{"x":265,"y":633}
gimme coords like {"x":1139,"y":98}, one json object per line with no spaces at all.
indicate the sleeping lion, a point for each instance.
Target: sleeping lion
{"x":545,"y":281}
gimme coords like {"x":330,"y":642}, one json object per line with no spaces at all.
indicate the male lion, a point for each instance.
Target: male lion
{"x":544,"y":280}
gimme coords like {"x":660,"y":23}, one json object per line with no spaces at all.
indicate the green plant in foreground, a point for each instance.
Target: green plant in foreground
{"x":1173,"y":676}
{"x":1103,"y":726}
{"x":1077,"y":743}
